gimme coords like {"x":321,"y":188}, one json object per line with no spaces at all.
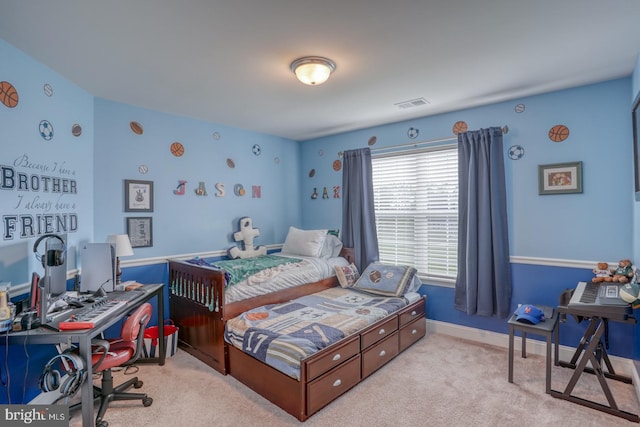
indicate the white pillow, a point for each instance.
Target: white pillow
{"x":331,"y":248}
{"x":304,"y":242}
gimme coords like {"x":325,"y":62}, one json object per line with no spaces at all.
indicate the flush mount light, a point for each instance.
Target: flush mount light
{"x":313,"y":70}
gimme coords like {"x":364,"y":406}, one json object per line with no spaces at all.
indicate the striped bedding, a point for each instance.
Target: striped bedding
{"x":281,"y":335}
{"x":300,"y":272}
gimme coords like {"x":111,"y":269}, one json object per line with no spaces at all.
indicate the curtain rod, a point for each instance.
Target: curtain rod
{"x":505,"y":129}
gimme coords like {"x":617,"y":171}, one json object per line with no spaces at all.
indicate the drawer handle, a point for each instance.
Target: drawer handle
{"x":337,"y":382}
{"x":381,"y":331}
{"x":336,"y":357}
{"x":383,"y":353}
{"x":413,"y":332}
{"x":413,"y":313}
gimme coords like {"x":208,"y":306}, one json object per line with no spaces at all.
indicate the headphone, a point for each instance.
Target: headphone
{"x":50,"y":378}
{"x":54,"y":257}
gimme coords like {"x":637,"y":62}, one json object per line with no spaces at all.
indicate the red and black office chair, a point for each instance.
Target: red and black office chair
{"x":119,"y":352}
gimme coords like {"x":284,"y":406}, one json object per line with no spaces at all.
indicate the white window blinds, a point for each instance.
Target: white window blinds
{"x":416,"y":204}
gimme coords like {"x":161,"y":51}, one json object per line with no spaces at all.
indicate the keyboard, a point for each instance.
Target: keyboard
{"x":600,"y":299}
{"x":590,"y":293}
{"x":125,"y":295}
{"x":88,"y":317}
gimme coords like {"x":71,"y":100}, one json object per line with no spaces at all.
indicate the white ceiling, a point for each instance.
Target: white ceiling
{"x":227,"y":61}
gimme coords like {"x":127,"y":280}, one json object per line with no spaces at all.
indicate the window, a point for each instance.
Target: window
{"x":416,"y":206}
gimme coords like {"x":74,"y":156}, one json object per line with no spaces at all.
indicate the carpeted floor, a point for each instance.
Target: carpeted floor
{"x":439,"y":381}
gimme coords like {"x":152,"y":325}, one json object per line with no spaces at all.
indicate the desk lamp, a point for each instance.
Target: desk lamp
{"x":123,"y":248}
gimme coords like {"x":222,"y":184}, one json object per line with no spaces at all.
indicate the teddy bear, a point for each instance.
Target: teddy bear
{"x":602,"y":273}
{"x":623,"y":273}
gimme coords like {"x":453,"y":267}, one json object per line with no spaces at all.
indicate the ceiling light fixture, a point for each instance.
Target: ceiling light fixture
{"x":313,"y":70}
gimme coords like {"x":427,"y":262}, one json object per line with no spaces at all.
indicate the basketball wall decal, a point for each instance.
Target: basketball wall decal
{"x":177,"y":149}
{"x":76,"y":130}
{"x":136,"y":128}
{"x":337,"y":165}
{"x":558,"y":133}
{"x":459,"y":126}
{"x":8,"y":94}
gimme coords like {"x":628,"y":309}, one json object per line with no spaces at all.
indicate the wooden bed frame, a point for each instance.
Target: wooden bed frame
{"x":324,"y":375}
{"x":196,"y":305}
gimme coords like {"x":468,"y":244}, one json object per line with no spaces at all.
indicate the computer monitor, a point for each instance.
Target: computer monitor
{"x":98,"y":267}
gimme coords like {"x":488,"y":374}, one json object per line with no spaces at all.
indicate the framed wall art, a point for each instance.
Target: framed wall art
{"x":635,"y":116}
{"x":560,"y":178}
{"x":138,"y":196}
{"x":140,"y":231}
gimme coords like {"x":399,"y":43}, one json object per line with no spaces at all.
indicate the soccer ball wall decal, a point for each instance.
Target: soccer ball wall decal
{"x":516,"y":152}
{"x":46,"y":130}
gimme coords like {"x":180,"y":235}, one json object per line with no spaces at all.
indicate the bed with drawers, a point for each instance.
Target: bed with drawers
{"x":303,"y":344}
{"x":199,"y":303}
{"x":203,"y":294}
{"x":303,"y":354}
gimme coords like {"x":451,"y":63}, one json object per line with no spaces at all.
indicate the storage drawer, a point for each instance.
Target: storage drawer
{"x":412,"y":332}
{"x":331,"y":385}
{"x":378,"y":332}
{"x":379,"y":354}
{"x":411,"y":312}
{"x":332,"y":359}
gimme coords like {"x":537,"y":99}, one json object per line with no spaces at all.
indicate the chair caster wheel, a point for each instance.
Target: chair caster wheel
{"x":137,"y":384}
{"x":102,"y":423}
{"x":147,"y":401}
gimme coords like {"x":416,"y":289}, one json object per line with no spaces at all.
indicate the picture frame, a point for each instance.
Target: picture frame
{"x":138,"y":196}
{"x":140,"y":231}
{"x":635,"y":118}
{"x":560,"y":178}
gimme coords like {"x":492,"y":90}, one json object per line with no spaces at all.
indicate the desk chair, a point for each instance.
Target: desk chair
{"x":119,"y":352}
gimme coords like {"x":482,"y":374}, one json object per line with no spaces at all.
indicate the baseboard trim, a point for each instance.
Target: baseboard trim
{"x":621,"y":365}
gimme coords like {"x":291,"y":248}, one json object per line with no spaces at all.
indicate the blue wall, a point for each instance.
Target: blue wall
{"x":545,"y":232}
{"x":190,"y":223}
{"x":562,"y":227}
{"x":555,"y":240}
{"x":63,"y":157}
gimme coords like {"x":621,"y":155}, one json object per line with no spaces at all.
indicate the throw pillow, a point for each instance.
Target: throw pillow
{"x":347,"y":275}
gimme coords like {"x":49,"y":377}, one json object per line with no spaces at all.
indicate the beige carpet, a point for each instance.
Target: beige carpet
{"x":440,"y":381}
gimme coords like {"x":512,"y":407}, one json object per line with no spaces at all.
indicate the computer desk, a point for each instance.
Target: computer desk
{"x":592,"y":350}
{"x":83,"y":337}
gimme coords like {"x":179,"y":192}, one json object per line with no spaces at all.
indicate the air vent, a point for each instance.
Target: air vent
{"x":418,"y":102}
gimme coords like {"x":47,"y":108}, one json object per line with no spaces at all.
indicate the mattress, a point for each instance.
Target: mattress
{"x":301,"y":270}
{"x":281,"y":335}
